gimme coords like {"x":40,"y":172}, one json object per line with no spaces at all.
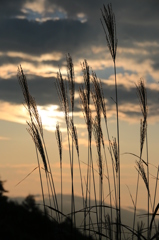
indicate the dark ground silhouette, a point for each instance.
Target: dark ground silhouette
{"x":27,"y":222}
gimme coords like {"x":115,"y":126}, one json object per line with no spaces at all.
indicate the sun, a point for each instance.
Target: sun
{"x":50,"y":115}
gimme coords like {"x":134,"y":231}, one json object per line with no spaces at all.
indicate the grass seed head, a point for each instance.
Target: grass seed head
{"x":110,"y":29}
{"x":141,"y":170}
{"x":33,"y":131}
{"x":71,"y":78}
{"x":58,"y":135}
{"x":62,"y":93}
{"x":24,"y":86}
{"x":115,"y":153}
{"x":142,"y":95}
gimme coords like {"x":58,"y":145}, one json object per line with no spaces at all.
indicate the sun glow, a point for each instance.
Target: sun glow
{"x":50,"y":115}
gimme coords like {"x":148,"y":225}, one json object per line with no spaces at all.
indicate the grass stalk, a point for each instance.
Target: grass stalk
{"x":71,"y":80}
{"x":97,"y":135}
{"x":116,"y":93}
{"x":85,"y":102}
{"x":148,"y":193}
{"x":155,"y":190}
{"x":28,"y":100}
{"x":111,"y":39}
{"x":94,"y":186}
{"x":62,"y":92}
{"x":59,"y":143}
{"x":111,"y":155}
{"x":135,"y":204}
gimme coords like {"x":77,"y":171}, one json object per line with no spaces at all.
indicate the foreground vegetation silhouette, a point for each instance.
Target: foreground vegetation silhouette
{"x":27,"y":222}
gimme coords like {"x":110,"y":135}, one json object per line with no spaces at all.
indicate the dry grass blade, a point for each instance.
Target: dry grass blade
{"x":153,"y":216}
{"x":71,"y":78}
{"x":59,"y":141}
{"x":110,"y":29}
{"x":141,"y":170}
{"x":135,"y":156}
{"x":131,"y":196}
{"x":26,"y":176}
{"x":33,"y":131}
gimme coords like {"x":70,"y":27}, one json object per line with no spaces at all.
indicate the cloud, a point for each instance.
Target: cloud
{"x":75,"y":27}
{"x":42,"y":89}
{"x":38,"y":38}
{"x":45,"y":93}
{"x":136,"y":30}
{"x":17,"y":113}
{"x":10,"y":9}
{"x":13,"y":113}
{"x":70,"y":35}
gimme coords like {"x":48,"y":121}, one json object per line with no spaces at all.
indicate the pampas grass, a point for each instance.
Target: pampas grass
{"x":108,"y":18}
{"x":91,"y":93}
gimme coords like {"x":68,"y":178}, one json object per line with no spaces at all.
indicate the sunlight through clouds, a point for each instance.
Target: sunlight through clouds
{"x":38,"y":5}
{"x":56,"y":56}
{"x":50,"y":116}
{"x":13,"y":113}
{"x":46,"y":70}
{"x":17,"y":113}
{"x":38,"y":10}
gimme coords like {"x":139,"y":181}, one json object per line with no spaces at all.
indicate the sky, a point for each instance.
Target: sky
{"x":38,"y":35}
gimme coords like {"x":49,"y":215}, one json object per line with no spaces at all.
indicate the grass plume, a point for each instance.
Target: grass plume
{"x":108,"y":18}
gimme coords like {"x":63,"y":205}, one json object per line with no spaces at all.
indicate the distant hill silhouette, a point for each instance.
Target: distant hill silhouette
{"x":27,"y":222}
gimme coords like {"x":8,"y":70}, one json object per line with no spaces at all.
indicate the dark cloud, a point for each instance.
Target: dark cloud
{"x":136,"y":22}
{"x":155,"y":66}
{"x":37,"y":38}
{"x":5,"y":59}
{"x":44,"y":91}
{"x":9,"y":9}
{"x":133,"y":19}
{"x":12,"y":60}
{"x":123,"y":9}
